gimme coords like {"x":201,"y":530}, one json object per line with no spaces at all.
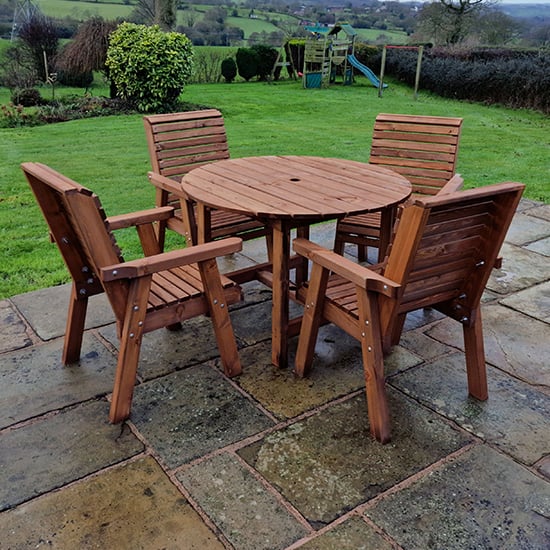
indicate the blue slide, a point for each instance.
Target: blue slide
{"x":365,"y":70}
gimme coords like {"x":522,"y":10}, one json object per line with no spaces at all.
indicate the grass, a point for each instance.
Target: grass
{"x":109,"y":154}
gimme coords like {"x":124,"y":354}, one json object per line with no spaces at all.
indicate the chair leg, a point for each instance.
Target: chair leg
{"x":313,"y":313}
{"x":475,"y":358}
{"x":74,"y":330}
{"x":221,"y":322}
{"x":373,"y":364}
{"x":130,"y":346}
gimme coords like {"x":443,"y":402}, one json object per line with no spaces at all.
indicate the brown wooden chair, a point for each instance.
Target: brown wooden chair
{"x":421,"y":148}
{"x":159,"y":290}
{"x":443,"y":252}
{"x":179,"y":142}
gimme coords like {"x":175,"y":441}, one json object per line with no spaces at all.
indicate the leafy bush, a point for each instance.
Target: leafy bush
{"x":247,"y":63}
{"x":26,"y":97}
{"x":147,"y":66}
{"x":229,"y":69}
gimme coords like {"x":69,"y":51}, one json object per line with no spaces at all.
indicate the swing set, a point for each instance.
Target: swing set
{"x":419,"y":49}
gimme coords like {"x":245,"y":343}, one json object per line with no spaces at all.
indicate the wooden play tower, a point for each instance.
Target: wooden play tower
{"x":326,"y":49}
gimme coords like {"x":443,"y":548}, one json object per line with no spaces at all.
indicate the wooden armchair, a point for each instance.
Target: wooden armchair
{"x":159,"y":290}
{"x":443,"y":252}
{"x":421,"y":148}
{"x":179,"y":142}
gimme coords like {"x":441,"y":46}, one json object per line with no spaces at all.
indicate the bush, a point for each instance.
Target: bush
{"x":247,"y":63}
{"x":514,"y":79}
{"x":27,"y":97}
{"x":147,"y":66}
{"x":266,"y":60}
{"x":229,"y":69}
{"x":75,"y":79}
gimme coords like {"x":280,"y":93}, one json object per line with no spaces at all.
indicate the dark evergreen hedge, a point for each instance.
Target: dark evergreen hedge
{"x":515,"y":79}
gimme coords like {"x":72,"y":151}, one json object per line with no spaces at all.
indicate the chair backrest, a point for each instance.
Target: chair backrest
{"x":78,"y":224}
{"x":422,"y":148}
{"x":445,"y":248}
{"x":179,"y":142}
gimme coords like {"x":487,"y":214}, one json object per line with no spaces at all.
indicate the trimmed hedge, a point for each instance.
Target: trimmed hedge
{"x":514,"y":79}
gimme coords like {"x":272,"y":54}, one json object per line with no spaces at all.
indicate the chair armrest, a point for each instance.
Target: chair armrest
{"x":454,"y":184}
{"x":140,"y":218}
{"x":350,"y":271}
{"x":166,"y":184}
{"x":170,"y":260}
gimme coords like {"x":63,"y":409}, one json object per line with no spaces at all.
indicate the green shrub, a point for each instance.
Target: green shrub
{"x":247,"y":63}
{"x":266,"y":60}
{"x":229,"y":69}
{"x":147,"y":66}
{"x":27,"y":97}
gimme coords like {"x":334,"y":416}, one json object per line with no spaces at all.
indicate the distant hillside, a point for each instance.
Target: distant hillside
{"x":527,"y":11}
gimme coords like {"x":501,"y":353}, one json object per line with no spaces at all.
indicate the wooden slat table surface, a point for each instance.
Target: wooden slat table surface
{"x":289,"y":192}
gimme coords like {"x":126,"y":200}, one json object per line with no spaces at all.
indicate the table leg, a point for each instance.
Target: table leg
{"x":280,"y":305}
{"x":204,"y":233}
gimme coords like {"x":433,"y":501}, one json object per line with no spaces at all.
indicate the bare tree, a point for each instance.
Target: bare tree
{"x":165,"y":14}
{"x":461,"y":11}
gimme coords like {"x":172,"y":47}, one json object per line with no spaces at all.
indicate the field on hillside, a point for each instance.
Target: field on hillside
{"x":109,"y":154}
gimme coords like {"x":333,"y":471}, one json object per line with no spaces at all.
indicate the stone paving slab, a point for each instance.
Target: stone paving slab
{"x":164,"y":351}
{"x":328,"y":464}
{"x":526,"y":229}
{"x":130,"y":506}
{"x":13,"y":332}
{"x":193,"y":412}
{"x":58,"y":449}
{"x":248,"y":515}
{"x":534,"y":301}
{"x":520,"y":269}
{"x":49,"y":321}
{"x":481,"y":499}
{"x":514,"y":342}
{"x":540,"y":211}
{"x":515,"y":418}
{"x":540,"y":247}
{"x":337,"y":371}
{"x":352,"y":534}
{"x":33,"y":381}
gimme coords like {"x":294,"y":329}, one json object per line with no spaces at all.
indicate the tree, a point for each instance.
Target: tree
{"x":460,"y":12}
{"x":39,"y":37}
{"x":165,"y":14}
{"x":149,"y":67}
{"x":88,"y":49}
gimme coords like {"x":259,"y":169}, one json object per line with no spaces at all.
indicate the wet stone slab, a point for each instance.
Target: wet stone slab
{"x":131,"y":506}
{"x":520,"y":269}
{"x":192,"y":412}
{"x":247,"y":514}
{"x":33,"y":381}
{"x":534,"y":301}
{"x":337,"y":371}
{"x":541,"y":247}
{"x":482,"y":499}
{"x":164,"y":351}
{"x":525,"y":229}
{"x":514,"y":418}
{"x":46,"y":310}
{"x":352,"y":534}
{"x":13,"y":332}
{"x":514,"y":342}
{"x":541,"y":211}
{"x":56,"y":450}
{"x":328,"y":464}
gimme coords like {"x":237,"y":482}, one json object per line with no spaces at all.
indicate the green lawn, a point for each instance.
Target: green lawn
{"x":84,"y":10}
{"x":109,"y":154}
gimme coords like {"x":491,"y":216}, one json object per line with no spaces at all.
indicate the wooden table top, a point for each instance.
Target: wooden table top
{"x":300,"y":187}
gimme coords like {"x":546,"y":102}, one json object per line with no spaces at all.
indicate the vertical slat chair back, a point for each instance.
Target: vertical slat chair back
{"x":424,"y":149}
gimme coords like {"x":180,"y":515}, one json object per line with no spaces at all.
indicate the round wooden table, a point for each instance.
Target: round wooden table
{"x":287,"y":192}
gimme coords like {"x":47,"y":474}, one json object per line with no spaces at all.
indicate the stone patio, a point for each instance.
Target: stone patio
{"x":268,"y":461}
